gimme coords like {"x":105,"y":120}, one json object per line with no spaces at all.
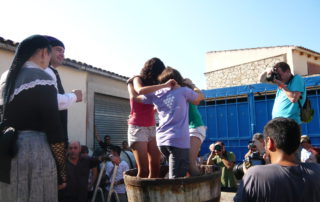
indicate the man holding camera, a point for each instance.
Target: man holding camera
{"x":252,"y":149}
{"x":291,"y":90}
{"x":284,"y":179}
{"x":220,"y":157}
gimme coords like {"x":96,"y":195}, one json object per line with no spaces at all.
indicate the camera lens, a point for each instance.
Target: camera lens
{"x":217,"y":147}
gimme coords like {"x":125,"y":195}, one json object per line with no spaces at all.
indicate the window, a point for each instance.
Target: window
{"x":313,"y":68}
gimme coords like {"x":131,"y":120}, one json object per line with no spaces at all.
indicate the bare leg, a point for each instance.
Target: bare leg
{"x":154,"y":159}
{"x":139,"y":150}
{"x":195,"y":144}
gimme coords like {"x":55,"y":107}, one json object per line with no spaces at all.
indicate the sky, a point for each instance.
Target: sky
{"x":120,"y":36}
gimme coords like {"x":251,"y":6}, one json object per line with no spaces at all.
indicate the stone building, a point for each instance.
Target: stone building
{"x":105,"y":98}
{"x":238,"y":67}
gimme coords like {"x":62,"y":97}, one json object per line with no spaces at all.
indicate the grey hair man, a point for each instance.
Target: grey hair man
{"x":258,"y":140}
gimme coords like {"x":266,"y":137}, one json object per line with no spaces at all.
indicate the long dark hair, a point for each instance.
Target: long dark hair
{"x":25,"y":50}
{"x":151,"y":70}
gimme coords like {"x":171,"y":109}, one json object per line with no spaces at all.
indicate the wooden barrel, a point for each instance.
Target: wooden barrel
{"x":194,"y":189}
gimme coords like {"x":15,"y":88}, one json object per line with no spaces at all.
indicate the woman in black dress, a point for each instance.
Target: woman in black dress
{"x":30,"y":103}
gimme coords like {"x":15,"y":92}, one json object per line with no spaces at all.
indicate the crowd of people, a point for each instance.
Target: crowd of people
{"x":44,"y":165}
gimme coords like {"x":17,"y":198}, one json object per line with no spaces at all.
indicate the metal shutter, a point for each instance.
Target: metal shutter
{"x":110,"y":117}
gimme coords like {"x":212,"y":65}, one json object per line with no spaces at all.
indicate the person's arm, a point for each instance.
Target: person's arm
{"x":133,"y":94}
{"x":293,"y":96}
{"x":142,"y":90}
{"x":313,"y":151}
{"x":66,"y":100}
{"x":191,"y":85}
{"x":210,"y":160}
{"x":248,"y":154}
{"x":94,"y":176}
{"x":94,"y":163}
{"x":46,"y":105}
{"x":96,"y":134}
{"x":125,"y":167}
{"x":199,"y":98}
{"x":263,"y":76}
{"x":227,"y":163}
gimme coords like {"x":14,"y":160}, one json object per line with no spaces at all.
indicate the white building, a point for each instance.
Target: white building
{"x":105,"y":102}
{"x":243,"y":66}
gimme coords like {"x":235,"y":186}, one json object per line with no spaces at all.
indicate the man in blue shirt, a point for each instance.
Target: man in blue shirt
{"x":291,"y":90}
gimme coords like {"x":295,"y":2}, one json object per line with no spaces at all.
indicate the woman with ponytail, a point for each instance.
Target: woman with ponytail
{"x":30,"y":106}
{"x":142,"y":123}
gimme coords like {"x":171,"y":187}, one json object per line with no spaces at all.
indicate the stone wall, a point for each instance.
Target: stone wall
{"x":244,"y":74}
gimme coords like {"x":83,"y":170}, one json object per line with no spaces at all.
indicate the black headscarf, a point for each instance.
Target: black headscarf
{"x":54,"y":41}
{"x":25,"y":50}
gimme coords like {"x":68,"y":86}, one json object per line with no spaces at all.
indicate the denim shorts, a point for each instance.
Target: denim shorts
{"x":178,"y":160}
{"x":140,"y":134}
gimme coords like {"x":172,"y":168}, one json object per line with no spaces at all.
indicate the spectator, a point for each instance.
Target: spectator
{"x":125,"y":146}
{"x":127,"y":155}
{"x":92,"y":174}
{"x":141,"y":122}
{"x":284,"y":179}
{"x":65,"y":100}
{"x":291,"y":90}
{"x":258,"y":141}
{"x":308,"y":153}
{"x":78,"y":169}
{"x":225,"y":160}
{"x":173,"y":137}
{"x":106,"y":144}
{"x":252,"y":148}
{"x":30,"y":103}
{"x":119,"y":186}
{"x":197,"y":131}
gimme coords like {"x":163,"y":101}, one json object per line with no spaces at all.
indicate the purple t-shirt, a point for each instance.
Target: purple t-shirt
{"x":173,"y":108}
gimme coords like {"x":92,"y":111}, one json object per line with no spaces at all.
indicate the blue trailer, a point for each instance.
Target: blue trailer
{"x":234,"y":114}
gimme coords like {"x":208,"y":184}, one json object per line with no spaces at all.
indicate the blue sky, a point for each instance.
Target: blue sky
{"x":120,"y":36}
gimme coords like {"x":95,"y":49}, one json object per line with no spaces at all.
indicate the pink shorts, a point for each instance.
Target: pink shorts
{"x":140,"y":134}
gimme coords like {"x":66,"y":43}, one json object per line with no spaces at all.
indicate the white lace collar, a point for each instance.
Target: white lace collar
{"x":30,"y":64}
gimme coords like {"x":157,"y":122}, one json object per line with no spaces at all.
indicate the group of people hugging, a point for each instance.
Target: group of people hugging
{"x":180,"y":131}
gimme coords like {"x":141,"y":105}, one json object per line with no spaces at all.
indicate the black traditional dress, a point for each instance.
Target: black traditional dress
{"x":40,"y":162}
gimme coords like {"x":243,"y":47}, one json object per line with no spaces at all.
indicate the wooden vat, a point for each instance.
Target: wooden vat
{"x":187,"y":189}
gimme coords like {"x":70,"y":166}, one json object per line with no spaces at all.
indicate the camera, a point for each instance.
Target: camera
{"x":252,"y":146}
{"x":274,"y":75}
{"x":253,"y":160}
{"x":218,"y":147}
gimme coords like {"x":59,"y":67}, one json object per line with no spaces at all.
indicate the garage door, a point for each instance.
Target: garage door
{"x":111,"y":115}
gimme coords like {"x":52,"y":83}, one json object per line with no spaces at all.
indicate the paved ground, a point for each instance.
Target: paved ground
{"x":227,"y":196}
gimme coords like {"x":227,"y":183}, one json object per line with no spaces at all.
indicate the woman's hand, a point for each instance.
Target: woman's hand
{"x":62,"y":186}
{"x":171,"y":83}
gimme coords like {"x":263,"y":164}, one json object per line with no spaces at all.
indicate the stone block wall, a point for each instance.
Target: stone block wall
{"x":244,"y":74}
